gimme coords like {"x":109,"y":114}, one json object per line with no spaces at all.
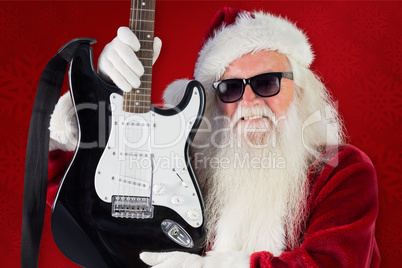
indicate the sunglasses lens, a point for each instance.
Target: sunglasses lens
{"x":266,"y":85}
{"x":230,"y":90}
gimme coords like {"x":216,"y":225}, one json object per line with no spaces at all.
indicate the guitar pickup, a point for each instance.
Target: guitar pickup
{"x":134,"y":183}
{"x":134,"y":124}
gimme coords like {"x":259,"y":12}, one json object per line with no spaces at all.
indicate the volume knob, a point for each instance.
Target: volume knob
{"x":177,"y":199}
{"x":159,"y":189}
{"x":193,"y":214}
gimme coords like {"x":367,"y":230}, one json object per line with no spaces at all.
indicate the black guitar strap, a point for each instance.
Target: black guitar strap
{"x":36,"y":162}
{"x":37,"y":156}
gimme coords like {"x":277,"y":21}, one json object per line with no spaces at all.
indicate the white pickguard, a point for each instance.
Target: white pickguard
{"x":147,"y":151}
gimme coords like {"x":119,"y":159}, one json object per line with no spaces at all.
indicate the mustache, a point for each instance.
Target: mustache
{"x":253,"y":112}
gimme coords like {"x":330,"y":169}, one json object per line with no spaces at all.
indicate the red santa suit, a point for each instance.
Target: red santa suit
{"x":342,"y":209}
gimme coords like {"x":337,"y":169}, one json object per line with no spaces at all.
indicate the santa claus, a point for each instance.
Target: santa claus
{"x":281,"y":187}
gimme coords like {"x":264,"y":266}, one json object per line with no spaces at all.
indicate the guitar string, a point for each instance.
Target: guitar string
{"x":137,"y":100}
{"x":135,"y":110}
{"x":132,"y":109}
{"x":125,"y":168}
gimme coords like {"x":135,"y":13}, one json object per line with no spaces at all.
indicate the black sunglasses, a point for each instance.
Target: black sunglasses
{"x":264,"y":85}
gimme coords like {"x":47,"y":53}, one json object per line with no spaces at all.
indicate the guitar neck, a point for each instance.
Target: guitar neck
{"x":142,"y":21}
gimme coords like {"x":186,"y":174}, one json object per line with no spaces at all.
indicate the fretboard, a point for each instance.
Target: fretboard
{"x":142,"y":18}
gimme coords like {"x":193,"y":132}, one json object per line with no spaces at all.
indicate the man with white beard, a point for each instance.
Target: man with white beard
{"x":281,"y":187}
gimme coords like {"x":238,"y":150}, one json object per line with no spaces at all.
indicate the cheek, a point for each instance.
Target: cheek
{"x":280,"y":103}
{"x":228,"y":108}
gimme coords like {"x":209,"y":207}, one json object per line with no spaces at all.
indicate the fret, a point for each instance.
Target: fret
{"x":138,"y":90}
{"x":147,"y":50}
{"x":145,"y":35}
{"x":144,"y":31}
{"x":139,"y":94}
{"x":138,"y":100}
{"x":140,"y":104}
{"x":145,"y":24}
{"x":143,"y":9}
{"x":142,"y":20}
{"x":144,"y":82}
{"x":138,"y":108}
{"x":133,"y":97}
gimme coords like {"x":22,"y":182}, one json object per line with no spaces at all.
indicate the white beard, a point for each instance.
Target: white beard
{"x":253,"y":185}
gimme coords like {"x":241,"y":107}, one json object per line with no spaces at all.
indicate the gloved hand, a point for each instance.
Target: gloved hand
{"x":118,"y":62}
{"x":213,"y":259}
{"x":173,"y":259}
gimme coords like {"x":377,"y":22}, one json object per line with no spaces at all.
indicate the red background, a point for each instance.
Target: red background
{"x":358,"y":55}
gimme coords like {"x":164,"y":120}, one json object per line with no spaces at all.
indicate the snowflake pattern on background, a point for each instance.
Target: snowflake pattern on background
{"x":389,"y":241}
{"x":388,"y":166}
{"x":19,"y":81}
{"x":10,"y":23}
{"x":343,"y":60}
{"x":49,"y":15}
{"x":10,"y":211}
{"x":11,"y":249}
{"x":393,"y":54}
{"x":318,"y":16}
{"x":76,"y":12}
{"x":5,"y":202}
{"x":370,"y":24}
{"x":12,"y":155}
{"x":379,"y":104}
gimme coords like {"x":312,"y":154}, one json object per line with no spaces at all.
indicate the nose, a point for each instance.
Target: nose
{"x":250,"y":98}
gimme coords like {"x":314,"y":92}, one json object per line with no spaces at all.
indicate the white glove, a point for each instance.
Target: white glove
{"x":118,"y":62}
{"x":213,"y":259}
{"x":173,"y":259}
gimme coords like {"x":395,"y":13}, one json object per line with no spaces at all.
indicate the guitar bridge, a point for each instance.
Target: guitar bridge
{"x":131,"y":207}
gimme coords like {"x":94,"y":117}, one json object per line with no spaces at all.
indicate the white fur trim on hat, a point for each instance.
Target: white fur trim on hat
{"x":251,"y":32}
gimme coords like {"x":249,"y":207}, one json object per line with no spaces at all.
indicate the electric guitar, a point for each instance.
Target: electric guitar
{"x":130,"y":186}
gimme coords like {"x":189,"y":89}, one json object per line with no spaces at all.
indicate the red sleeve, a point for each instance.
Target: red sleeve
{"x":343,"y":207}
{"x":58,"y":164}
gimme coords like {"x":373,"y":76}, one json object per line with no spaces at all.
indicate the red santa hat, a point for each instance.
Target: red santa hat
{"x":235,"y":32}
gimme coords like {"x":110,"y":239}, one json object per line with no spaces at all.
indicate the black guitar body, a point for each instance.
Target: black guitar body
{"x":82,"y":225}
